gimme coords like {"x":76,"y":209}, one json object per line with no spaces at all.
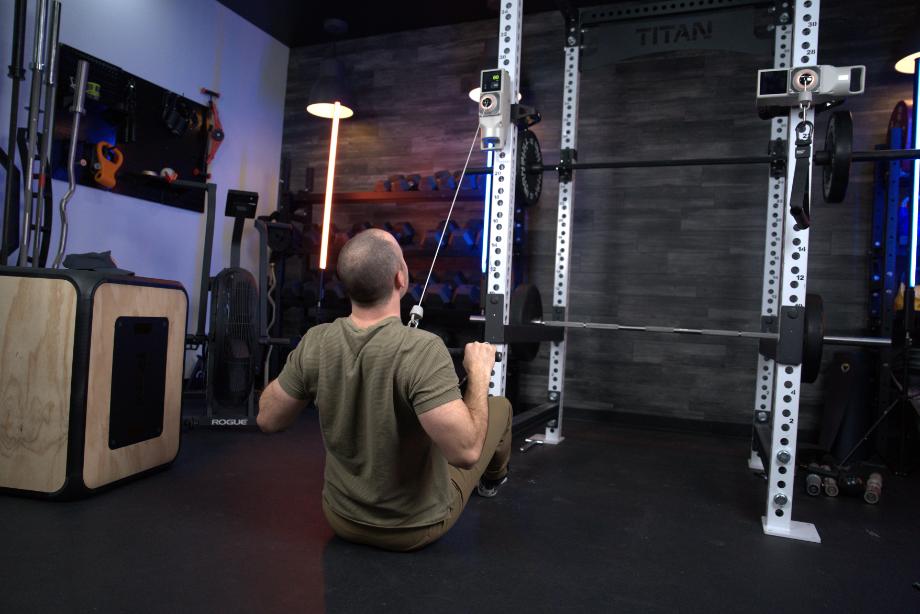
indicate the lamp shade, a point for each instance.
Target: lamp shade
{"x":330,"y":87}
{"x":907,"y":52}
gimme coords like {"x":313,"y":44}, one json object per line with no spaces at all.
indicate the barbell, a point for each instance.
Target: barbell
{"x":802,"y":324}
{"x":835,"y":159}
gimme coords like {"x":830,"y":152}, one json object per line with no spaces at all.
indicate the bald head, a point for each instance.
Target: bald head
{"x":368,"y":265}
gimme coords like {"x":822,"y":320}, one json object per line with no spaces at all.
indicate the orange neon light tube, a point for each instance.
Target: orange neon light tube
{"x":330,"y":177}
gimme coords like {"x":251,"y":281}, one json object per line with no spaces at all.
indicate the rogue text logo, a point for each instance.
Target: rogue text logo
{"x":669,"y":35}
{"x":229,"y":422}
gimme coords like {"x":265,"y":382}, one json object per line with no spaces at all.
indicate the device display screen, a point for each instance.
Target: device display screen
{"x":773,"y":82}
{"x":856,"y":79}
{"x":491,"y":80}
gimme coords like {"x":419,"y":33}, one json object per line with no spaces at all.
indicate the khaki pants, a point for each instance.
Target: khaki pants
{"x":493,"y":464}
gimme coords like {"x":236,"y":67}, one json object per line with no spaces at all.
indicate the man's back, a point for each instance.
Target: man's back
{"x":370,"y":385}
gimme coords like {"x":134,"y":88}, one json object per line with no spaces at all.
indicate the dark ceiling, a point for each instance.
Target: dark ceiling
{"x":296,"y":23}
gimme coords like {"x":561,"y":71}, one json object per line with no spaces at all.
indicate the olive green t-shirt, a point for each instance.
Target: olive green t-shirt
{"x":369,"y":386}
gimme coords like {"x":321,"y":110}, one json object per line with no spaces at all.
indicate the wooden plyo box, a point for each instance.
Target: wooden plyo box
{"x":91,"y":370}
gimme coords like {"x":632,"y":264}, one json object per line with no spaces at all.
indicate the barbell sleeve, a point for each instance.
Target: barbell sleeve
{"x":866,"y":341}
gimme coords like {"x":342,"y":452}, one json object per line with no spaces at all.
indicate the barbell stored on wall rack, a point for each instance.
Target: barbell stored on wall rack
{"x":835,"y":159}
{"x":796,"y":336}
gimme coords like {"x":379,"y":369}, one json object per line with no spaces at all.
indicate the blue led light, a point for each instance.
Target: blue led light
{"x":486,"y":214}
{"x":915,"y":189}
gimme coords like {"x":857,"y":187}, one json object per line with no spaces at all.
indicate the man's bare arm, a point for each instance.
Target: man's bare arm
{"x":459,"y":428}
{"x":277,"y":409}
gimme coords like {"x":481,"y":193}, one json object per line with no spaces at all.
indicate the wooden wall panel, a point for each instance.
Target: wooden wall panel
{"x":37,"y":319}
{"x":663,"y":246}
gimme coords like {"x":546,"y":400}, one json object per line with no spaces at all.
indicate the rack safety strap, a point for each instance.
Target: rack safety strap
{"x":798,"y":193}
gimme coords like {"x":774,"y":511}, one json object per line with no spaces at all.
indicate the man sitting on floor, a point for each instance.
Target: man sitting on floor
{"x":404,"y":450}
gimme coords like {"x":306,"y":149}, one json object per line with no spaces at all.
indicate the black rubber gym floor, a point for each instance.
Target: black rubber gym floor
{"x":614,"y":520}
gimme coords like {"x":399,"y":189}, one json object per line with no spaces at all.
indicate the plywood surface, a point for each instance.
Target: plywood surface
{"x":37,"y":319}
{"x":101,"y":465}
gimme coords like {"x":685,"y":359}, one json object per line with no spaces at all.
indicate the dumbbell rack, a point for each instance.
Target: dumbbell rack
{"x":418,"y":252}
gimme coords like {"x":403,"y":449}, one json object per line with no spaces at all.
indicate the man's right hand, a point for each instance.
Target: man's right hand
{"x":479,"y":358}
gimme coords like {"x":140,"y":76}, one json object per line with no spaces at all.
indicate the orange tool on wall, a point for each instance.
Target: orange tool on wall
{"x":214,"y":127}
{"x":108,"y":160}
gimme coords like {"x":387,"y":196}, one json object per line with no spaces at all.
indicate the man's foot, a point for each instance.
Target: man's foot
{"x":489,"y":488}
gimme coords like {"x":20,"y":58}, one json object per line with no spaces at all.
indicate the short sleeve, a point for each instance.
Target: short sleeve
{"x":298,"y":377}
{"x":434,"y":381}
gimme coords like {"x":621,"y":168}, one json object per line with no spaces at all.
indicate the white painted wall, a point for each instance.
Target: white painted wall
{"x":181,"y":45}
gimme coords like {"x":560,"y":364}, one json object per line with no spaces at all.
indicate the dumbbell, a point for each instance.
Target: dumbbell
{"x":427,"y":184}
{"x":813,"y":481}
{"x":421,"y":276}
{"x":432,"y":236}
{"x":439,"y":294}
{"x":414,"y":292}
{"x":445,"y":180}
{"x":458,"y":278}
{"x":315,"y":234}
{"x":830,"y":484}
{"x":469,"y":181}
{"x":472,"y":233}
{"x":477,"y":246}
{"x":403,"y":232}
{"x":359,"y":227}
{"x":873,"y":488}
{"x":467,"y":296}
{"x":414,"y":181}
{"x":399,"y":183}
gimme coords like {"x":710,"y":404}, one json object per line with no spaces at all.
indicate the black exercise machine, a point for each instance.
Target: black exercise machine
{"x":238,"y":335}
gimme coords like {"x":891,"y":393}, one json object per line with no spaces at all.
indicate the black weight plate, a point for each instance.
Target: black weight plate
{"x":529,"y":184}
{"x":526,"y":305}
{"x":813,"y":339}
{"x":899,"y":130}
{"x":838,"y":143}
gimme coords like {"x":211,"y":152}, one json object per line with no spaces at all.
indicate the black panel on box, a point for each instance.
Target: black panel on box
{"x":138,"y":380}
{"x":773,"y":82}
{"x":241,"y":204}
